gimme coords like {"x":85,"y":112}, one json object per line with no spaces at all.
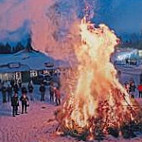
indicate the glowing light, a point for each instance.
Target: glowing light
{"x":99,"y":101}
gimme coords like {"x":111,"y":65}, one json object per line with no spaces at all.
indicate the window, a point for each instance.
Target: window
{"x":33,"y":73}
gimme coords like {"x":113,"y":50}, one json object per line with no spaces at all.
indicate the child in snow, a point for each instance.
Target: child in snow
{"x":57,"y":96}
{"x":24,"y":101}
{"x":15,"y":104}
{"x":42,"y":90}
{"x":51,"y":91}
{"x":30,"y":89}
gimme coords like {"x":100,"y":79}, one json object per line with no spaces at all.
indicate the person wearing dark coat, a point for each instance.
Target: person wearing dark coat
{"x":24,"y":101}
{"x":57,"y":96}
{"x":20,"y":83}
{"x":9,"y":91}
{"x":30,"y":89}
{"x":132,"y":89}
{"x":15,"y":104}
{"x":12,"y":83}
{"x":23,"y":90}
{"x":3,"y":90}
{"x":42,"y":90}
{"x":51,"y":91}
{"x":0,"y":85}
{"x":16,"y":88}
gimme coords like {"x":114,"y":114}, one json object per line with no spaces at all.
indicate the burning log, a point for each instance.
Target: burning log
{"x":99,"y":105}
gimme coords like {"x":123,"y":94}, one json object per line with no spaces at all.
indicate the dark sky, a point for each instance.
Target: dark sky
{"x":121,"y":15}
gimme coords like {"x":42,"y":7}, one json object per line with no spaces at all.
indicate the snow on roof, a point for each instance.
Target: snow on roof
{"x":123,"y":54}
{"x":33,"y":60}
{"x":6,"y":69}
{"x":129,"y":69}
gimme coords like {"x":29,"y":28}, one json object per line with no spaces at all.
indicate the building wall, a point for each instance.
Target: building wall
{"x":25,"y":76}
{"x":7,"y":76}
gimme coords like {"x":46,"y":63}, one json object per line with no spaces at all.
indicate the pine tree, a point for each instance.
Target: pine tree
{"x":29,"y":43}
{"x":7,"y":48}
{"x":19,"y":47}
{"x":1,"y":48}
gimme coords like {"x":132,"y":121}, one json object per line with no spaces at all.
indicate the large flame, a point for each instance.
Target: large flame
{"x":99,"y":100}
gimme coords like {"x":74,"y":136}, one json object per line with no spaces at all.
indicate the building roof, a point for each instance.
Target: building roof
{"x":33,"y":60}
{"x":6,"y":69}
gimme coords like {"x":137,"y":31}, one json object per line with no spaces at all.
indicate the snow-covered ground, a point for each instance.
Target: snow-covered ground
{"x":38,"y":125}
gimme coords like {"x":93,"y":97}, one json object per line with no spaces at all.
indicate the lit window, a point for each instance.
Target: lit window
{"x":33,"y":73}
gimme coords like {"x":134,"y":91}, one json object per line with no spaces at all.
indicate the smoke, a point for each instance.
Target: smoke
{"x":51,"y":22}
{"x":14,"y":13}
{"x":18,"y":35}
{"x":54,"y":23}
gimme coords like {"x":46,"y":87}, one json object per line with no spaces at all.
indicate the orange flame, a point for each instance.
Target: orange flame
{"x":99,"y":100}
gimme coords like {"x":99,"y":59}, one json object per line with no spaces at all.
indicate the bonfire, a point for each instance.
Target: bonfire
{"x":99,"y":105}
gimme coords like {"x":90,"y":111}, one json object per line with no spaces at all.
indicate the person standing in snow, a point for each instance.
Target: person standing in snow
{"x":132,"y":88}
{"x":19,"y":83}
{"x":57,"y":96}
{"x":16,"y":88}
{"x":24,"y":101}
{"x":3,"y":90}
{"x":42,"y":90}
{"x":30,"y":89}
{"x":127,"y":87}
{"x":9,"y":91}
{"x":15,"y":104}
{"x":140,"y":90}
{"x":51,"y":91}
{"x":24,"y":90}
{"x":12,"y":83}
{"x":0,"y":85}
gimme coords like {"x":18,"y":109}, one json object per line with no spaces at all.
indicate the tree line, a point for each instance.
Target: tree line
{"x":7,"y":48}
{"x":134,"y":41}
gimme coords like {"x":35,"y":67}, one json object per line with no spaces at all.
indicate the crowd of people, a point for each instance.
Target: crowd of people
{"x":131,"y":88}
{"x":54,"y":92}
{"x":13,"y":89}
{"x":15,"y":92}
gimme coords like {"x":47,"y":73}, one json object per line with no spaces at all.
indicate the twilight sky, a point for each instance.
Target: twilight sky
{"x":121,"y":15}
{"x":19,"y":17}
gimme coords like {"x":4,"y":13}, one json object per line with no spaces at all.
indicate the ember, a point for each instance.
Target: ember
{"x":99,"y":105}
